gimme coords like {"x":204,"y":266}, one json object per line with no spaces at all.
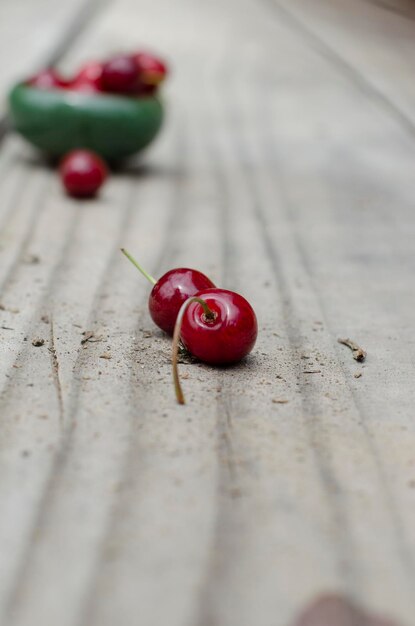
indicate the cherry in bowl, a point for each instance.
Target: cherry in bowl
{"x":89,"y":78}
{"x":138,"y":74}
{"x":170,"y":292}
{"x":151,"y":69}
{"x":48,"y":78}
{"x":120,"y":75}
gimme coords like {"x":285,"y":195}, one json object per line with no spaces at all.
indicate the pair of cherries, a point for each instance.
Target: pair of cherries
{"x":217,"y":326}
{"x":136,"y":74}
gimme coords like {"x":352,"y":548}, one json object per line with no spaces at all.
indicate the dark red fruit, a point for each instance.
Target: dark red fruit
{"x":217,"y":326}
{"x":151,"y":70}
{"x":120,"y":75}
{"x":171,"y":291}
{"x":145,"y":90}
{"x":89,"y":78}
{"x":47,"y":79}
{"x":82,"y":173}
{"x":226,"y":335}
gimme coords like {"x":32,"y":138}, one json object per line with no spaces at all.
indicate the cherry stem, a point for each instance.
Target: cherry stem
{"x":209,"y":315}
{"x":149,"y":277}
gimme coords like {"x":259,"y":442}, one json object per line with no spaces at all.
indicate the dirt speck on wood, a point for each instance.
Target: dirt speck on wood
{"x":37,"y":342}
{"x":9,"y":309}
{"x":358,"y":353}
{"x":31,"y":259}
{"x":91,"y":337}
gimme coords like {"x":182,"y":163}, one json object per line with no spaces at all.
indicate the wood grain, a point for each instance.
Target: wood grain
{"x":36,"y":34}
{"x":285,"y":171}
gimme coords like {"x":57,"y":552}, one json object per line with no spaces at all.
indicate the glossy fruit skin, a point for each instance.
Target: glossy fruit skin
{"x":151,"y":70}
{"x":89,"y":78}
{"x":57,"y":121}
{"x":82,"y":173}
{"x":47,"y":79}
{"x":171,"y":291}
{"x":120,"y":75}
{"x":226,"y":339}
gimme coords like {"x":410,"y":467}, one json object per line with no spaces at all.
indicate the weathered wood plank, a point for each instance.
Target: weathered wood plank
{"x":278,"y":181}
{"x":370,"y":42}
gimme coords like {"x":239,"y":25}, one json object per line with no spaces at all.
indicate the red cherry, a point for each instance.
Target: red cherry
{"x":224,"y":337}
{"x":47,"y":79}
{"x":145,"y":90}
{"x":82,"y":173}
{"x":89,"y":78}
{"x":120,"y":75}
{"x":217,"y":326}
{"x":151,"y":70}
{"x":170,"y":292}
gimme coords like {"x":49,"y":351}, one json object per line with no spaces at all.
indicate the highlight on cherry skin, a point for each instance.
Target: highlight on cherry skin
{"x":89,"y":78}
{"x":170,"y":291}
{"x":217,"y":326}
{"x":137,"y":74}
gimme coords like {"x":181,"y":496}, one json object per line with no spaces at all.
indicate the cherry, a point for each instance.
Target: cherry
{"x":145,"y":90}
{"x":170,"y":292}
{"x":82,"y":173}
{"x":224,"y":334}
{"x":151,"y":70}
{"x":89,"y":78}
{"x":47,"y":79}
{"x":120,"y":75}
{"x":217,"y":326}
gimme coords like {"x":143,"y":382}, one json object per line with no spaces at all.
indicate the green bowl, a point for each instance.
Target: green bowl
{"x":57,"y":121}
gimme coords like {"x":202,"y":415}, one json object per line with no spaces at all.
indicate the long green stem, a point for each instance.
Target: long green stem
{"x":209,"y":314}
{"x":150,"y":278}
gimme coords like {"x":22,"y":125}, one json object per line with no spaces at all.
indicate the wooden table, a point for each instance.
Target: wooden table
{"x":285,"y":171}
